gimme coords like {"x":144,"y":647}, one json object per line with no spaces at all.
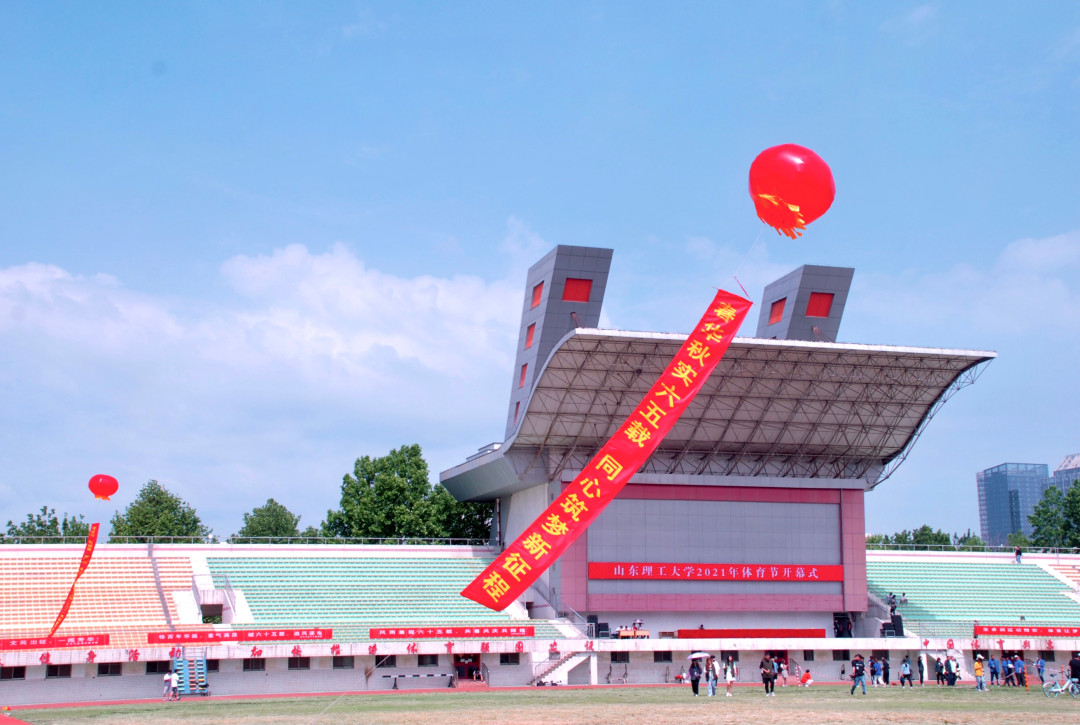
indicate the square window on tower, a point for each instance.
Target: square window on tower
{"x":577,"y":290}
{"x":820,"y":304}
{"x":776,"y":312}
{"x":538,"y":292}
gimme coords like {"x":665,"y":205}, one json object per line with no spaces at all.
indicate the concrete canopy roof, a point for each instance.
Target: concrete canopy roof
{"x":783,"y":408}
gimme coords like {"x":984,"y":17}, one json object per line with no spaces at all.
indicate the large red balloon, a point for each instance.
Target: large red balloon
{"x":791,"y":186}
{"x":103,"y":486}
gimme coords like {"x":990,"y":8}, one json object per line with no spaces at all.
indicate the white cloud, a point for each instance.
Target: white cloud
{"x":1032,"y":286}
{"x":915,"y":25}
{"x":317,"y":359}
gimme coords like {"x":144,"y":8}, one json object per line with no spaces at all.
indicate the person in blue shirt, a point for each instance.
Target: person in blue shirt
{"x":1040,"y":664}
{"x":993,"y":664}
{"x":1018,"y":665}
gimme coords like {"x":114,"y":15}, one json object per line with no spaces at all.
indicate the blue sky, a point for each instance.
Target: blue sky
{"x":242,"y":244}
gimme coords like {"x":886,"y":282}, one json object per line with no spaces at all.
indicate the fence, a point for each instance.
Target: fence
{"x":329,"y":541}
{"x":1001,"y":549}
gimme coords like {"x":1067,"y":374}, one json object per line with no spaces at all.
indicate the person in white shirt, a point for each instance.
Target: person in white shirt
{"x":174,"y":682}
{"x":168,"y":687}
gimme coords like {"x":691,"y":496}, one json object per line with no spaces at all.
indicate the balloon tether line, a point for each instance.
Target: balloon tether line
{"x":745,"y":257}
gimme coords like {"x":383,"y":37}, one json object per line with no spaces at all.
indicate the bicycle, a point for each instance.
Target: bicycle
{"x":1053,"y":689}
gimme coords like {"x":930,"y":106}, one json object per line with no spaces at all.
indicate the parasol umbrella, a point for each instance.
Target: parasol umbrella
{"x":699,"y":656}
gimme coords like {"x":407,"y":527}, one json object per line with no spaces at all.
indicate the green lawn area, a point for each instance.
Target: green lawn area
{"x":615,"y":705}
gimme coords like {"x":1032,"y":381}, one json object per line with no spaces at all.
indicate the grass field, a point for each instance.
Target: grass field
{"x":617,"y":705}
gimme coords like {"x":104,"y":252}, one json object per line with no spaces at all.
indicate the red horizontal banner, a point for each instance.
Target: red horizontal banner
{"x":1013,"y":631}
{"x":85,"y":640}
{"x":440,"y":632}
{"x":715,"y":572}
{"x":541,"y":543}
{"x":240,"y":635}
{"x":749,"y":633}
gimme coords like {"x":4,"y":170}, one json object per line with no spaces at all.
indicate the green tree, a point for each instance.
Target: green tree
{"x":926,"y":536}
{"x":391,"y":497}
{"x":458,"y":520}
{"x":968,"y":540}
{"x":1020,"y":539}
{"x":1070,"y":509}
{"x":1048,"y":519}
{"x":45,"y":524}
{"x":157,"y":512}
{"x":270,"y":521}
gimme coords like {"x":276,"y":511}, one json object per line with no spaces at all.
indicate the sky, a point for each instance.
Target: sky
{"x":242,"y":244}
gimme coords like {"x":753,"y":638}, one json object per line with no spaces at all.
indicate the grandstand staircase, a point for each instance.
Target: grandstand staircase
{"x":558,"y":670}
{"x":190,"y":667}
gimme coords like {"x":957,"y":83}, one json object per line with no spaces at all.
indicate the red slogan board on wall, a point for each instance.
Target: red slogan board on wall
{"x":547,"y":538}
{"x":84,"y":640}
{"x":748,"y":633}
{"x":458,"y":632}
{"x":240,"y":635}
{"x":1014,"y":631}
{"x":715,"y":572}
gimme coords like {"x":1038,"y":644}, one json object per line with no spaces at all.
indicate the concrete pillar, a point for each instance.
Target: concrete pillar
{"x":593,"y":678}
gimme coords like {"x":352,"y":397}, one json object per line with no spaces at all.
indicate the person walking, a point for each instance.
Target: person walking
{"x":922,"y":670}
{"x":885,"y":671}
{"x":877,"y":670}
{"x":992,"y":665}
{"x":858,"y":674}
{"x":980,"y":683}
{"x":1040,"y":665}
{"x":768,"y":675}
{"x":695,"y":676}
{"x":1019,"y":553}
{"x":783,"y":672}
{"x":1008,"y":674}
{"x":168,"y":687}
{"x":712,"y":670}
{"x":731,"y":673}
{"x":905,"y":672}
{"x":939,"y":668}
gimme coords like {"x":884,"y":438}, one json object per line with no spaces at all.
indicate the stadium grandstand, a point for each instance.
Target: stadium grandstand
{"x":762,"y":483}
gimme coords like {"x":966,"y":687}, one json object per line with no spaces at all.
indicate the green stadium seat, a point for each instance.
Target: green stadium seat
{"x":945,"y":598}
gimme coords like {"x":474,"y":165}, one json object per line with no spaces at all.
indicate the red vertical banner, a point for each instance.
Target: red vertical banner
{"x":545,"y":540}
{"x":88,"y":552}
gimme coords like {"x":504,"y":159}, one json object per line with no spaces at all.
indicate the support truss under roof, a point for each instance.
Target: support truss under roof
{"x":771,"y":408}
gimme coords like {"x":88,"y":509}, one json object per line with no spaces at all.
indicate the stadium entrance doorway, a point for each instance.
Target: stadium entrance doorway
{"x":778,"y":654}
{"x":468,"y":667}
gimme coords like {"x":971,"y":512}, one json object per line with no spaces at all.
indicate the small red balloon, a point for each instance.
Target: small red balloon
{"x":791,"y":186}
{"x":103,"y":486}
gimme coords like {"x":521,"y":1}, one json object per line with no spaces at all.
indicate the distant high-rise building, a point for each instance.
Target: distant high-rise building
{"x":1067,"y":472}
{"x":1007,"y":496}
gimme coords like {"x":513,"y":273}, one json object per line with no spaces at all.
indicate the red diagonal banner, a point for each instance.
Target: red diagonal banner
{"x":91,"y":542}
{"x":545,"y":540}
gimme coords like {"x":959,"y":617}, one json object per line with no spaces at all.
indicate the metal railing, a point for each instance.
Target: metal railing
{"x":997,"y":549}
{"x":230,"y":595}
{"x":327,"y":540}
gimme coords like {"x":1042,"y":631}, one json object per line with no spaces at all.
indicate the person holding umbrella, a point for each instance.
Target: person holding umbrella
{"x":695,"y":675}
